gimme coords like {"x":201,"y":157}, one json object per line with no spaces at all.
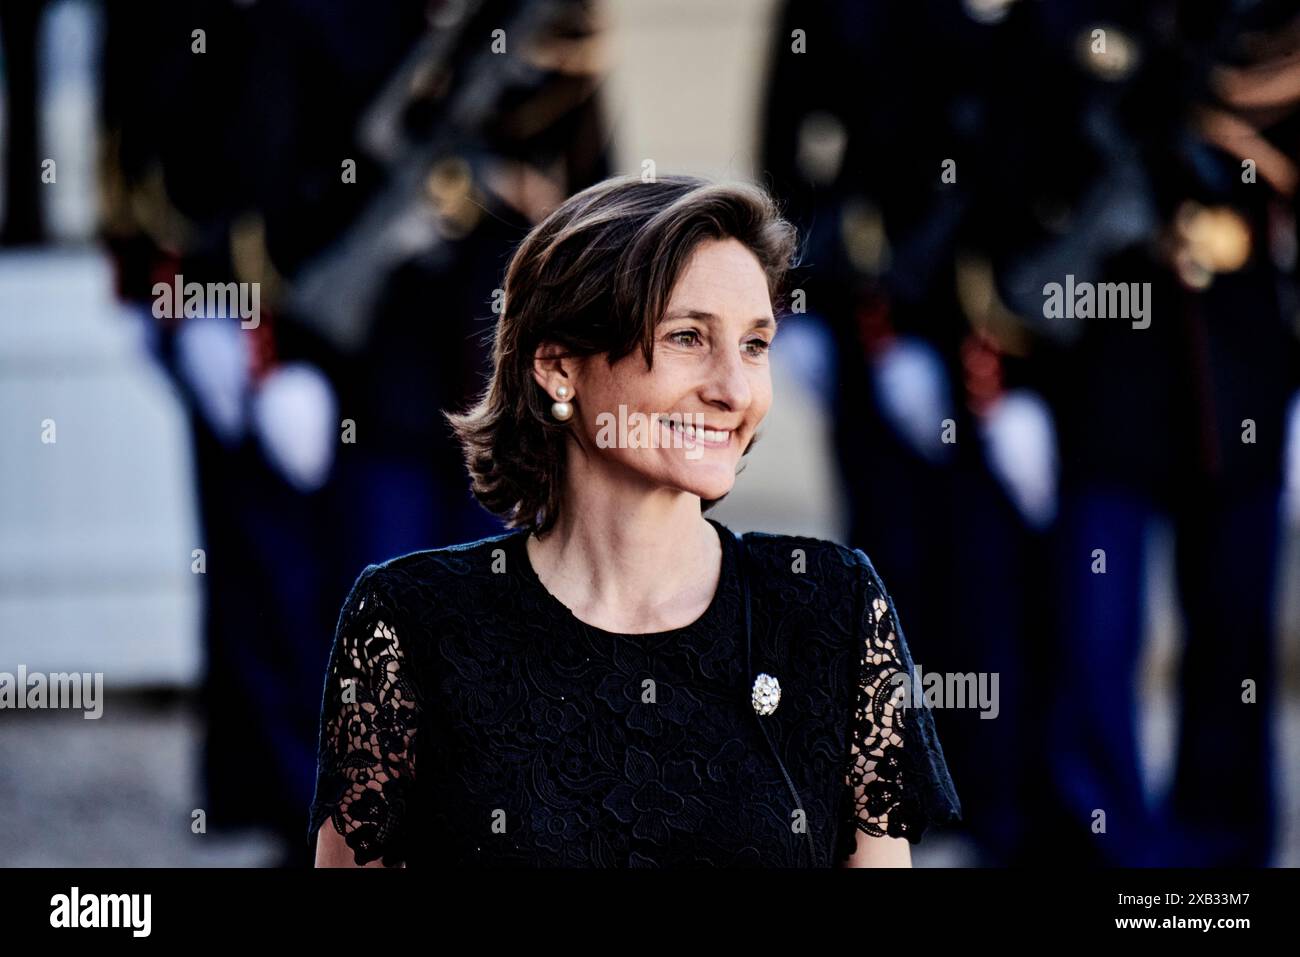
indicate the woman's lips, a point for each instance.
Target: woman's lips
{"x":709,"y":438}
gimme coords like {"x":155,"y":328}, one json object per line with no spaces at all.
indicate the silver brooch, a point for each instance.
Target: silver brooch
{"x":767,"y":694}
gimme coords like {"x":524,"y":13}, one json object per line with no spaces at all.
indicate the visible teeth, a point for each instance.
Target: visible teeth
{"x":690,"y":431}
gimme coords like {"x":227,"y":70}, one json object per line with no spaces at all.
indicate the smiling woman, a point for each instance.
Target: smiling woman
{"x":622,"y":681}
{"x":624,"y":295}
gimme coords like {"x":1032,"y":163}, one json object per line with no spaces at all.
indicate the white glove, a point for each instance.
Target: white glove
{"x":212,"y":357}
{"x":295,"y":414}
{"x":1020,"y":440}
{"x":911,"y":387}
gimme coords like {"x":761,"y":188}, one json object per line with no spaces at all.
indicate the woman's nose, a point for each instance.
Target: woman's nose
{"x":727,"y":382}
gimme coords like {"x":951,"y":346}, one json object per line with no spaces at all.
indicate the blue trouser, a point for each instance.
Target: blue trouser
{"x":1221,"y":808}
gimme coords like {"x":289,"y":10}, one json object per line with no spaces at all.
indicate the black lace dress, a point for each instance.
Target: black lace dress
{"x":470,"y":719}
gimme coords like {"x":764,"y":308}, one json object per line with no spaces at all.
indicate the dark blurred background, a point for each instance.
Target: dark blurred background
{"x":217,"y":484}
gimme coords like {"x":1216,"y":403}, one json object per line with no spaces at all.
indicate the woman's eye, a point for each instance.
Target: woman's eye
{"x":691,"y":337}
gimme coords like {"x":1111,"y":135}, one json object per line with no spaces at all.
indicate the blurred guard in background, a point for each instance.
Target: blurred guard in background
{"x":952,"y":158}
{"x":370,"y":166}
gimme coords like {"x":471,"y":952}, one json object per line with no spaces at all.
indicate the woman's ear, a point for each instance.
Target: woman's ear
{"x":553,"y":367}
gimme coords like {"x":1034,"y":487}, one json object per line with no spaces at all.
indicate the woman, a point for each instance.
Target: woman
{"x":621,"y":681}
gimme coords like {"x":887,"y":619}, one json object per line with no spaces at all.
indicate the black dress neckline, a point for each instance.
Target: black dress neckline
{"x":708,"y":620}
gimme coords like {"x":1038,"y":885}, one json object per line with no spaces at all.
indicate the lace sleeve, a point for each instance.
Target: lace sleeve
{"x":897,"y":781}
{"x":365,"y":774}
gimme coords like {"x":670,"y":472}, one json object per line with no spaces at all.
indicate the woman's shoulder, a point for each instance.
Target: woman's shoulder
{"x":808,"y":570}
{"x":819,"y":559}
{"x":440,"y":575}
{"x":459,"y":559}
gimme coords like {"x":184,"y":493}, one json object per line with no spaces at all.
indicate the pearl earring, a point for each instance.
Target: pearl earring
{"x":562,"y":410}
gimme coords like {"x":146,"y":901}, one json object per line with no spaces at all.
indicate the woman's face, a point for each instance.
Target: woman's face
{"x":710,"y":368}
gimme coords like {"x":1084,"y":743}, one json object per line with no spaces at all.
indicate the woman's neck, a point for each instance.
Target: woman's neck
{"x":629,"y":560}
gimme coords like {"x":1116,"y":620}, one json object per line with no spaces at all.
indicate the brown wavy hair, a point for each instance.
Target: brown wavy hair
{"x":594,"y":277}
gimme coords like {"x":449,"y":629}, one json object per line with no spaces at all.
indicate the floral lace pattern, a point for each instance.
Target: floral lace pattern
{"x":368,"y":740}
{"x":882,"y":762}
{"x":546,"y":742}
